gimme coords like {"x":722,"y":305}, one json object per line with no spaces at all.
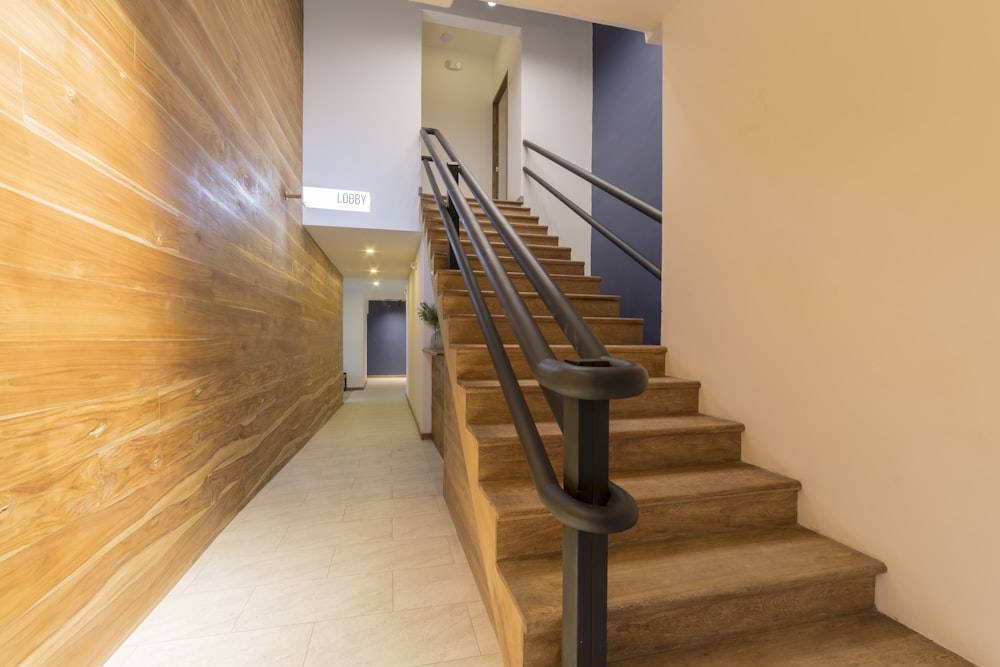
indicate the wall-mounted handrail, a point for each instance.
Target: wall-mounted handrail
{"x":646,"y":209}
{"x":578,"y":391}
{"x":618,"y":241}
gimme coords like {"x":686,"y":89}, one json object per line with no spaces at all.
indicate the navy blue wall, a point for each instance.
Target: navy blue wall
{"x":628,"y":131}
{"x":386,"y":338}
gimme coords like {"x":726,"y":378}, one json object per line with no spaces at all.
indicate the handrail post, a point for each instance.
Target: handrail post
{"x":585,"y":555}
{"x":454,"y":168}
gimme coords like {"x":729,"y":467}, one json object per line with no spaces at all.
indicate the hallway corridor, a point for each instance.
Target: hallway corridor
{"x":348,"y":557}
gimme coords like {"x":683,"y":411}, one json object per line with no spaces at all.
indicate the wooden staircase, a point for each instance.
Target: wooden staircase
{"x":716,"y":572}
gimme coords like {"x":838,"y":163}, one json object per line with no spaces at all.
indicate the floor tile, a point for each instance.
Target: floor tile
{"x":418,"y":637}
{"x":334,"y":533}
{"x":347,"y":557}
{"x":192,"y":615}
{"x":389,"y":554}
{"x":262,"y":569}
{"x":317,"y":600}
{"x":437,"y":524}
{"x":431,"y":586}
{"x":274,"y":647}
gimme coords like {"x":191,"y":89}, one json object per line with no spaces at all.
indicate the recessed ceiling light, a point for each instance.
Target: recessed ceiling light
{"x":375,"y":283}
{"x":369,"y":251}
{"x":491,"y":4}
{"x":373,"y":271}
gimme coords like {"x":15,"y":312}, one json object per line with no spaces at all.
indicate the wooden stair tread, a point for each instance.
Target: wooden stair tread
{"x":669,"y":381}
{"x":473,"y":359}
{"x":677,"y":573}
{"x":531,"y":238}
{"x":555,"y":266}
{"x":502,"y":434}
{"x":611,"y":298}
{"x":515,"y":274}
{"x":539,"y":318}
{"x":855,"y":640}
{"x":518,"y":497}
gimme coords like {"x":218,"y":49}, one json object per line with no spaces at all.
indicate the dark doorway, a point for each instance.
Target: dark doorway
{"x":500,"y":141}
{"x":386,"y":338}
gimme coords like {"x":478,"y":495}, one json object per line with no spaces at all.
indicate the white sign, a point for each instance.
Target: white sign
{"x":337,"y":200}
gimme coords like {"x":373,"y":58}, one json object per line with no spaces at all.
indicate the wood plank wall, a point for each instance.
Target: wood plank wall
{"x":169,"y":334}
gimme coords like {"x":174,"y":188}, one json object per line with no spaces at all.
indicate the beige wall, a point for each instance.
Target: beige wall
{"x":832,"y":266}
{"x":460,"y":104}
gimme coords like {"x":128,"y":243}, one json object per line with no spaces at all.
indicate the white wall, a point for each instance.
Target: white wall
{"x":418,"y":363}
{"x":362,"y":108}
{"x":557,"y":113}
{"x":355,"y":332}
{"x":831,"y":269}
{"x":460,"y":104}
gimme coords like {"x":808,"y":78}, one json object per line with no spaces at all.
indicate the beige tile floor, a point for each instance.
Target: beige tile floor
{"x":347,"y":557}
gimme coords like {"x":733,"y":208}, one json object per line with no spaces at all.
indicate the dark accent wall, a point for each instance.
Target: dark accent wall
{"x":386,"y":338}
{"x":627,"y":151}
{"x":169,"y":334}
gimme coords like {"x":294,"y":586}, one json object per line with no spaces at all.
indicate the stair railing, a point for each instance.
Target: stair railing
{"x":646,"y":209}
{"x":578,"y":391}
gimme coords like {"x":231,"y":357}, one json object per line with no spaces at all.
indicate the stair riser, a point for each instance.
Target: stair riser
{"x":487,"y":406}
{"x":465,"y":330}
{"x":568,"y":284}
{"x":461,"y":304}
{"x":627,"y":453}
{"x":572,"y":268}
{"x":522,"y":537}
{"x":475,"y":364}
{"x":652,"y":627}
{"x":531,"y":236}
{"x":513,"y":215}
{"x":539,"y":251}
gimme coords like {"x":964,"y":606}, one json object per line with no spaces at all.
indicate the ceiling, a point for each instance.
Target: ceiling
{"x":345,"y":246}
{"x":460,"y":41}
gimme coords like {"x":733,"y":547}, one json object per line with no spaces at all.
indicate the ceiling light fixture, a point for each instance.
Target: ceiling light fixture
{"x":373,"y":271}
{"x":491,"y":4}
{"x":369,"y":251}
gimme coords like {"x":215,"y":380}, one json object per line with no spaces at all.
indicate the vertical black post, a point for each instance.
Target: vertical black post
{"x":453,"y":214}
{"x":585,"y":555}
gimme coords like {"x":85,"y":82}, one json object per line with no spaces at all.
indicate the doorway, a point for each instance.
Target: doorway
{"x":500,"y":122}
{"x":386,"y":337}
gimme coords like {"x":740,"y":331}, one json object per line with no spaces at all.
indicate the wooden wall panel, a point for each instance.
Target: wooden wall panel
{"x":169,"y":334}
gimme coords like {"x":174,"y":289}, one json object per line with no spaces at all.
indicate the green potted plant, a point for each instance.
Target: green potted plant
{"x":428,"y":313}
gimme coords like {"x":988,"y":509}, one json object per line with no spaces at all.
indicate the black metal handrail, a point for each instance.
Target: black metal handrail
{"x":613,"y":190}
{"x":590,"y":506}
